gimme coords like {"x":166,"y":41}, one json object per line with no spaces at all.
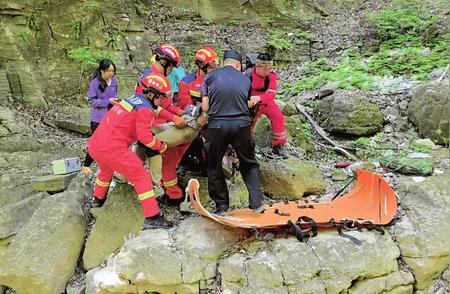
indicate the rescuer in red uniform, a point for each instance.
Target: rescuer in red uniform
{"x":190,"y":94}
{"x":264,"y":85}
{"x":129,"y":121}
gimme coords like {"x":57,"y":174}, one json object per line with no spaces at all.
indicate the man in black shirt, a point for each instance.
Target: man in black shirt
{"x":225,"y":96}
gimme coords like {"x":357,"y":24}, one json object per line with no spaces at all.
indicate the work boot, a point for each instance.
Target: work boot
{"x":259,"y":209}
{"x":156,"y":222}
{"x":159,"y":191}
{"x":280,"y":150}
{"x":166,"y":200}
{"x":97,"y":202}
{"x":221,"y":210}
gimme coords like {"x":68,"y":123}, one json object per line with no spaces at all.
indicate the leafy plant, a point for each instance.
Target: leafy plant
{"x":86,"y":56}
{"x":442,"y":138}
{"x":31,"y":17}
{"x":22,"y":36}
{"x":369,"y":147}
{"x":279,"y":41}
{"x":76,"y":26}
{"x":307,"y":131}
{"x":92,"y":4}
{"x":141,"y":9}
{"x":114,"y":36}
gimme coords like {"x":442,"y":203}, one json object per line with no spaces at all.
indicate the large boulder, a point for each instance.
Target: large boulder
{"x":76,"y":119}
{"x":121,"y":214}
{"x":43,"y":255}
{"x":290,"y":178}
{"x":166,"y":261}
{"x":9,"y":124}
{"x":428,"y":110}
{"x":16,"y":215}
{"x":422,"y":234}
{"x":319,"y":266}
{"x":14,"y":188}
{"x":350,"y":114}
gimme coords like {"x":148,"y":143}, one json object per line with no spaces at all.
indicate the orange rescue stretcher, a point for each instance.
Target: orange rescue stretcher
{"x":370,"y":203}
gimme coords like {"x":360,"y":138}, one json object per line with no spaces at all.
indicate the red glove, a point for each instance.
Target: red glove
{"x":178,"y":121}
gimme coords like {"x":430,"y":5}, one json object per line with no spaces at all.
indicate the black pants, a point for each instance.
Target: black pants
{"x":236,"y":133}
{"x":88,"y":160}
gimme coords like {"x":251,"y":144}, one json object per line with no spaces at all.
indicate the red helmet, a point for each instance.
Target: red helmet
{"x":156,"y":83}
{"x":206,"y":55}
{"x":169,"y":52}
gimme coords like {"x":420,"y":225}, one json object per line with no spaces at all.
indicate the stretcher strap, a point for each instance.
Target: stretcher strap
{"x":303,"y":235}
{"x":339,"y":227}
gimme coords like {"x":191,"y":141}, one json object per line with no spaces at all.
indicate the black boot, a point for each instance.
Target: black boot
{"x":280,"y":150}
{"x":166,"y":200}
{"x":157,"y":222}
{"x":97,"y":202}
{"x":221,"y":210}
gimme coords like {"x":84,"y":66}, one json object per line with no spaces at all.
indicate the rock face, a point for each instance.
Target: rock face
{"x":16,"y":215}
{"x":121,"y":214}
{"x":288,"y":266}
{"x":346,"y":113}
{"x":290,"y":178}
{"x":428,"y":110}
{"x":180,"y":260}
{"x":422,"y":235}
{"x":43,"y":255}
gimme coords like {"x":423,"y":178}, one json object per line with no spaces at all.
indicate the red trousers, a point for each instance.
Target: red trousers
{"x":171,"y":158}
{"x":126,"y":162}
{"x":274,"y":114}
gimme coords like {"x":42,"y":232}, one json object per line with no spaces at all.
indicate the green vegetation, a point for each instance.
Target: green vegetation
{"x":442,"y":137}
{"x":76,"y":26}
{"x":31,"y":17}
{"x":23,"y":36}
{"x":350,"y":73}
{"x":141,"y":9}
{"x":279,"y":41}
{"x":410,"y":41}
{"x":369,"y":147}
{"x":113,"y":36}
{"x":410,"y":45}
{"x":86,"y":56}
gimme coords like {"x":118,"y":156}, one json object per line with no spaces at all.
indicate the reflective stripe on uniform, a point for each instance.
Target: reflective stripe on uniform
{"x":151,"y":143}
{"x":146,"y":195}
{"x":158,"y":110}
{"x":128,"y":107}
{"x":194,"y":93}
{"x":101,"y":183}
{"x":171,"y":183}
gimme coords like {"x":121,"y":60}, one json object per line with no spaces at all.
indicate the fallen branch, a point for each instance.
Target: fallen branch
{"x":322,"y":133}
{"x":444,"y":74}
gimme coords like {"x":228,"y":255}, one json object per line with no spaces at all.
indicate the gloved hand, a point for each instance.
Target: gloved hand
{"x":255,"y":99}
{"x":178,"y":121}
{"x":163,"y":147}
{"x":86,"y":170}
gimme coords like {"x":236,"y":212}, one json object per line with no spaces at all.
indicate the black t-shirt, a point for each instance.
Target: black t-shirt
{"x":228,"y":90}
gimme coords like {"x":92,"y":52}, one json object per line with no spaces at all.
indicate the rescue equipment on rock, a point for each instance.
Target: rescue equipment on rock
{"x":370,"y":203}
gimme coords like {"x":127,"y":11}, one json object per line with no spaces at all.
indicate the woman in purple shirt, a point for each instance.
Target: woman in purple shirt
{"x":102,"y":95}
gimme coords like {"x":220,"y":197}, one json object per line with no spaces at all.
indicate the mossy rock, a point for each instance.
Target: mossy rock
{"x":349,"y":114}
{"x":290,"y":179}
